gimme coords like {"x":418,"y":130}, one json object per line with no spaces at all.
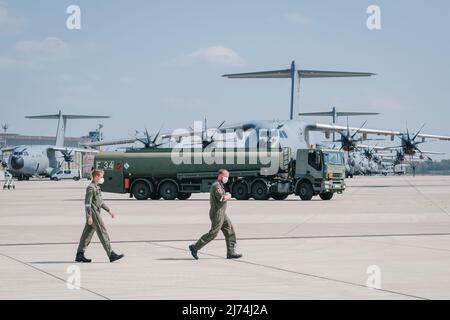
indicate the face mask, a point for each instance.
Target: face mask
{"x":101,"y":181}
{"x":225,"y":179}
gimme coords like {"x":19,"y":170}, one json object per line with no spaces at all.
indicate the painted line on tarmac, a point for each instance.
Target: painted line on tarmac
{"x":296,"y":272}
{"x":240,"y":239}
{"x":50,"y":274}
{"x":427,"y":198}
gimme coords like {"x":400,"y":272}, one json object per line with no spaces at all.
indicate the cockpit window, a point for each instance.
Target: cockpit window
{"x":333,"y":158}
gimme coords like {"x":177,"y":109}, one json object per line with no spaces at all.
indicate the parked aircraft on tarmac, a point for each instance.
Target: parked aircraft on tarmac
{"x":44,"y":160}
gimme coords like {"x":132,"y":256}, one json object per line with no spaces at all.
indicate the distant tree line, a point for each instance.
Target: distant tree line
{"x":433,"y":167}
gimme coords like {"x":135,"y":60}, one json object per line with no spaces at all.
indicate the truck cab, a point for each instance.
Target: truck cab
{"x":319,"y":172}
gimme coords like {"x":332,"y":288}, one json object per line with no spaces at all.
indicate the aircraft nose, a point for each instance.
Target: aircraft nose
{"x":17,"y":162}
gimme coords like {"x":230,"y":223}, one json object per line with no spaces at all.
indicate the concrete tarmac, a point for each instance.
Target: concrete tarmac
{"x":388,"y":231}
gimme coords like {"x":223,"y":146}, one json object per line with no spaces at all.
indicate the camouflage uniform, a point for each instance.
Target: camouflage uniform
{"x":219,"y":219}
{"x":93,"y":204}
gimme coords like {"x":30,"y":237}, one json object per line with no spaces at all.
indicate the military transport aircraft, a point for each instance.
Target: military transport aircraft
{"x":293,"y":133}
{"x":44,"y":160}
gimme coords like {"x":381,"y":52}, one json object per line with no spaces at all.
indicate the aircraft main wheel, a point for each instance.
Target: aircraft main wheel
{"x":280,"y":196}
{"x":168,"y":190}
{"x":260,"y":191}
{"x":326,"y":195}
{"x":155,"y":196}
{"x":240,"y":191}
{"x":141,"y":190}
{"x":305,"y":191}
{"x":184,"y":195}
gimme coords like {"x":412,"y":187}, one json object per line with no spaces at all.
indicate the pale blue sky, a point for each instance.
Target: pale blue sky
{"x":147,"y":62}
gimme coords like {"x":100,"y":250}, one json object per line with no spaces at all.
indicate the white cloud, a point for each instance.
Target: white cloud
{"x":34,"y":54}
{"x":214,"y":55}
{"x":9,"y":23}
{"x":50,"y":45}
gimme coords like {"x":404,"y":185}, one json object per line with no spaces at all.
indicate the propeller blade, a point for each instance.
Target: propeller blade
{"x":359,"y":129}
{"x":418,"y":132}
{"x":220,"y":125}
{"x":156,"y":136}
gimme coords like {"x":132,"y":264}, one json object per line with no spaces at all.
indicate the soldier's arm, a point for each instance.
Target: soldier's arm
{"x":105,"y":207}
{"x":88,"y":201}
{"x":219,"y":196}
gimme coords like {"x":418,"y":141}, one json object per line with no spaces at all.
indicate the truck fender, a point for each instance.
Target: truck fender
{"x":150,"y":184}
{"x":171,"y":180}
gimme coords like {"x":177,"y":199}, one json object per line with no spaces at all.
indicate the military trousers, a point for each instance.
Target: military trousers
{"x":98,"y":227}
{"x":219,"y":222}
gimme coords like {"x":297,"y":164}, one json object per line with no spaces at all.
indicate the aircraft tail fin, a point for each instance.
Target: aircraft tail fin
{"x":293,"y":73}
{"x":62,"y":122}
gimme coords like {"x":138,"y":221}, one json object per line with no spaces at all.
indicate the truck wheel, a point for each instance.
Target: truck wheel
{"x":141,"y":190}
{"x":155,"y":196}
{"x":168,"y":190}
{"x":240,"y":191}
{"x":280,"y":196}
{"x":305,"y":191}
{"x":326,"y":195}
{"x":259,"y":191}
{"x":184,"y":195}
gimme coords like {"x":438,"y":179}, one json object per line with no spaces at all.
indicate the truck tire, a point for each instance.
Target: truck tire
{"x":168,"y":190}
{"x":326,"y":195}
{"x":155,"y":196}
{"x":260,"y":190}
{"x":141,"y":190}
{"x":305,"y":191}
{"x":240,"y":191}
{"x":184,"y":195}
{"x":280,"y":196}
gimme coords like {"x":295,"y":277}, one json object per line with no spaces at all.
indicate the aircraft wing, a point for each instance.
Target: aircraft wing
{"x":7,"y":149}
{"x":432,"y":136}
{"x":432,"y":152}
{"x":392,"y":133}
{"x":110,"y":142}
{"x":73,"y":149}
{"x":362,"y":146}
{"x":184,"y":133}
{"x":334,"y":128}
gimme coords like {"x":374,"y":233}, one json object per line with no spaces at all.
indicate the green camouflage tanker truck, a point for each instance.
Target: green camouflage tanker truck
{"x":259,"y":174}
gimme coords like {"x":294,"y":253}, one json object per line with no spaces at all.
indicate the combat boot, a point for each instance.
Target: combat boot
{"x":81,"y":258}
{"x":193,"y":251}
{"x":114,"y":256}
{"x":232,"y":254}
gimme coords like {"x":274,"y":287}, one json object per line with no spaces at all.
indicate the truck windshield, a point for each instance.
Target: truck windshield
{"x":333,"y":158}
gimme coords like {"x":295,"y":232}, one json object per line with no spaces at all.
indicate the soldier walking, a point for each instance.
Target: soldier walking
{"x":219,"y":220}
{"x":94,"y":223}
